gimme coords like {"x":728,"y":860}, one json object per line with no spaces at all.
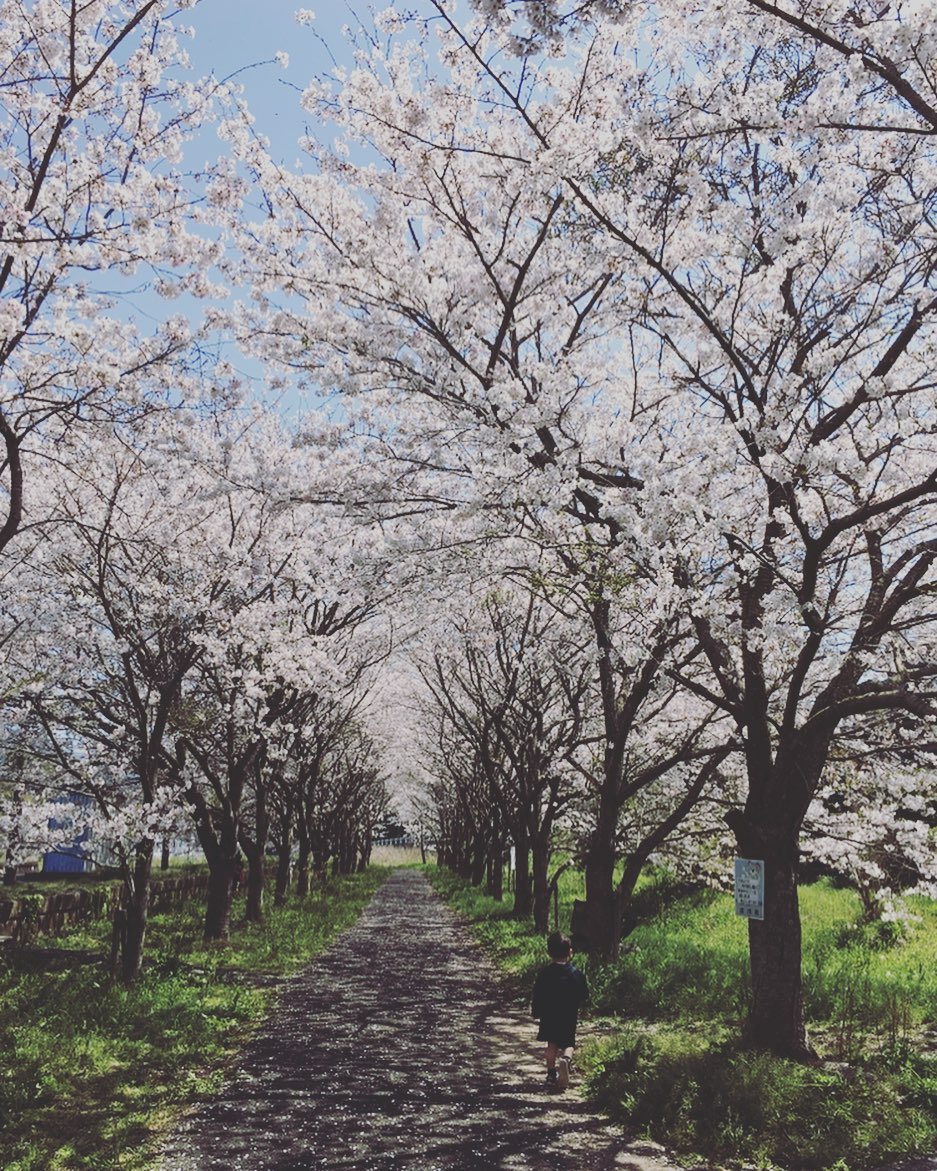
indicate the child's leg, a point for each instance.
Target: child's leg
{"x":563,"y":1062}
{"x":552,"y":1053}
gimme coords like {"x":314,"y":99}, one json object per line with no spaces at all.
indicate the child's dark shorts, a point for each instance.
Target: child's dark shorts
{"x":557,"y":1032}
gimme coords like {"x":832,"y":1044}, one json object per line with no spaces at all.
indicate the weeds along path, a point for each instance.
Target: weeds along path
{"x":396,"y":1050}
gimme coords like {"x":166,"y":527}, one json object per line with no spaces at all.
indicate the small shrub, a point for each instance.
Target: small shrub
{"x":874,"y":934}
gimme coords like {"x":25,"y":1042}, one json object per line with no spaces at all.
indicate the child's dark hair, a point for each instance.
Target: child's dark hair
{"x":558,"y":946}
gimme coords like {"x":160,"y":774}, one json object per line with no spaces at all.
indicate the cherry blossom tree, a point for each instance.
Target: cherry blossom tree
{"x":513,"y":691}
{"x":95,"y":204}
{"x":460,"y":766}
{"x":252,"y":703}
{"x":179,"y":619}
{"x":675,"y":292}
{"x":113,"y":646}
{"x":802,"y":325}
{"x":339,"y":790}
{"x":872,"y":820}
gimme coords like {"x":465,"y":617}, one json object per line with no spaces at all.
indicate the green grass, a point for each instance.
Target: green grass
{"x":728,"y":1105}
{"x":91,"y":1072}
{"x":666,"y":1057}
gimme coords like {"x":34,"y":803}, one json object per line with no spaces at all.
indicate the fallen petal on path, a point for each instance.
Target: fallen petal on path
{"x":395,"y":1051}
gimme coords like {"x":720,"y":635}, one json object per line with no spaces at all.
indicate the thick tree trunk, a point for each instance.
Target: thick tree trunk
{"x":254,"y":912}
{"x":164,"y":855}
{"x":777,"y":1021}
{"x":222,"y":881}
{"x":365,"y":845}
{"x":284,"y":861}
{"x":540,"y":849}
{"x":523,"y":887}
{"x":302,"y":875}
{"x":218,"y":835}
{"x":603,"y":911}
{"x":256,"y":851}
{"x":136,"y":910}
{"x":477,"y":867}
{"x":349,"y":855}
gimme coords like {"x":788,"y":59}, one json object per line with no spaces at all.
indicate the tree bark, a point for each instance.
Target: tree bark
{"x":222,"y":879}
{"x":602,"y":911}
{"x":255,"y":849}
{"x":477,"y":865}
{"x":365,"y":845}
{"x":523,"y":889}
{"x":137,"y":903}
{"x":218,"y":836}
{"x":776,"y":1017}
{"x":776,"y":1021}
{"x":495,"y":883}
{"x":13,"y":840}
{"x":321,"y":853}
{"x":302,"y":857}
{"x":254,"y":911}
{"x":284,"y":861}
{"x":540,"y":849}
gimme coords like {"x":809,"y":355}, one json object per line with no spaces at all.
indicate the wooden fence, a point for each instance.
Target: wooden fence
{"x":24,"y":916}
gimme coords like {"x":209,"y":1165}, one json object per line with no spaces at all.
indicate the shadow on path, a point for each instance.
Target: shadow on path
{"x":395,"y":1050}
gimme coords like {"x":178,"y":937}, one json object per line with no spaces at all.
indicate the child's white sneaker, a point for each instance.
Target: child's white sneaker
{"x":562,"y":1073}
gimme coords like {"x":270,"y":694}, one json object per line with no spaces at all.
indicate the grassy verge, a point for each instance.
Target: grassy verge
{"x":91,"y":1073}
{"x":662,"y":1052}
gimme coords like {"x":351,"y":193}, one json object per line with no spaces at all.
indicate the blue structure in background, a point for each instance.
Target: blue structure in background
{"x":71,"y":859}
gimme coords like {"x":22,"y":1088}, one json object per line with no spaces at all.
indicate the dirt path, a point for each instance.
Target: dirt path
{"x":396,"y":1050}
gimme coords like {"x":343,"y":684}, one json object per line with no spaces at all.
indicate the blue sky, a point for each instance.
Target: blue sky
{"x":245,"y":35}
{"x":242,"y":38}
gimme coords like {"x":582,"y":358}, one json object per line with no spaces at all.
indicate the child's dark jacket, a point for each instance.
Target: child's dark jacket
{"x":559,"y":990}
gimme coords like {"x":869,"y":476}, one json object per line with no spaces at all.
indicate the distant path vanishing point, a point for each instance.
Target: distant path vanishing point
{"x":396,"y":1050}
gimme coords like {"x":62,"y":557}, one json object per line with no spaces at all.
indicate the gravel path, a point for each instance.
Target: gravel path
{"x":398,"y":1050}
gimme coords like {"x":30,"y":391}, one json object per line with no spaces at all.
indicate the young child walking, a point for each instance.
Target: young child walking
{"x":559,"y":990}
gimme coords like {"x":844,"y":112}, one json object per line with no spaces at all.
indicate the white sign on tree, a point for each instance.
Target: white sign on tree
{"x":750,"y":888}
